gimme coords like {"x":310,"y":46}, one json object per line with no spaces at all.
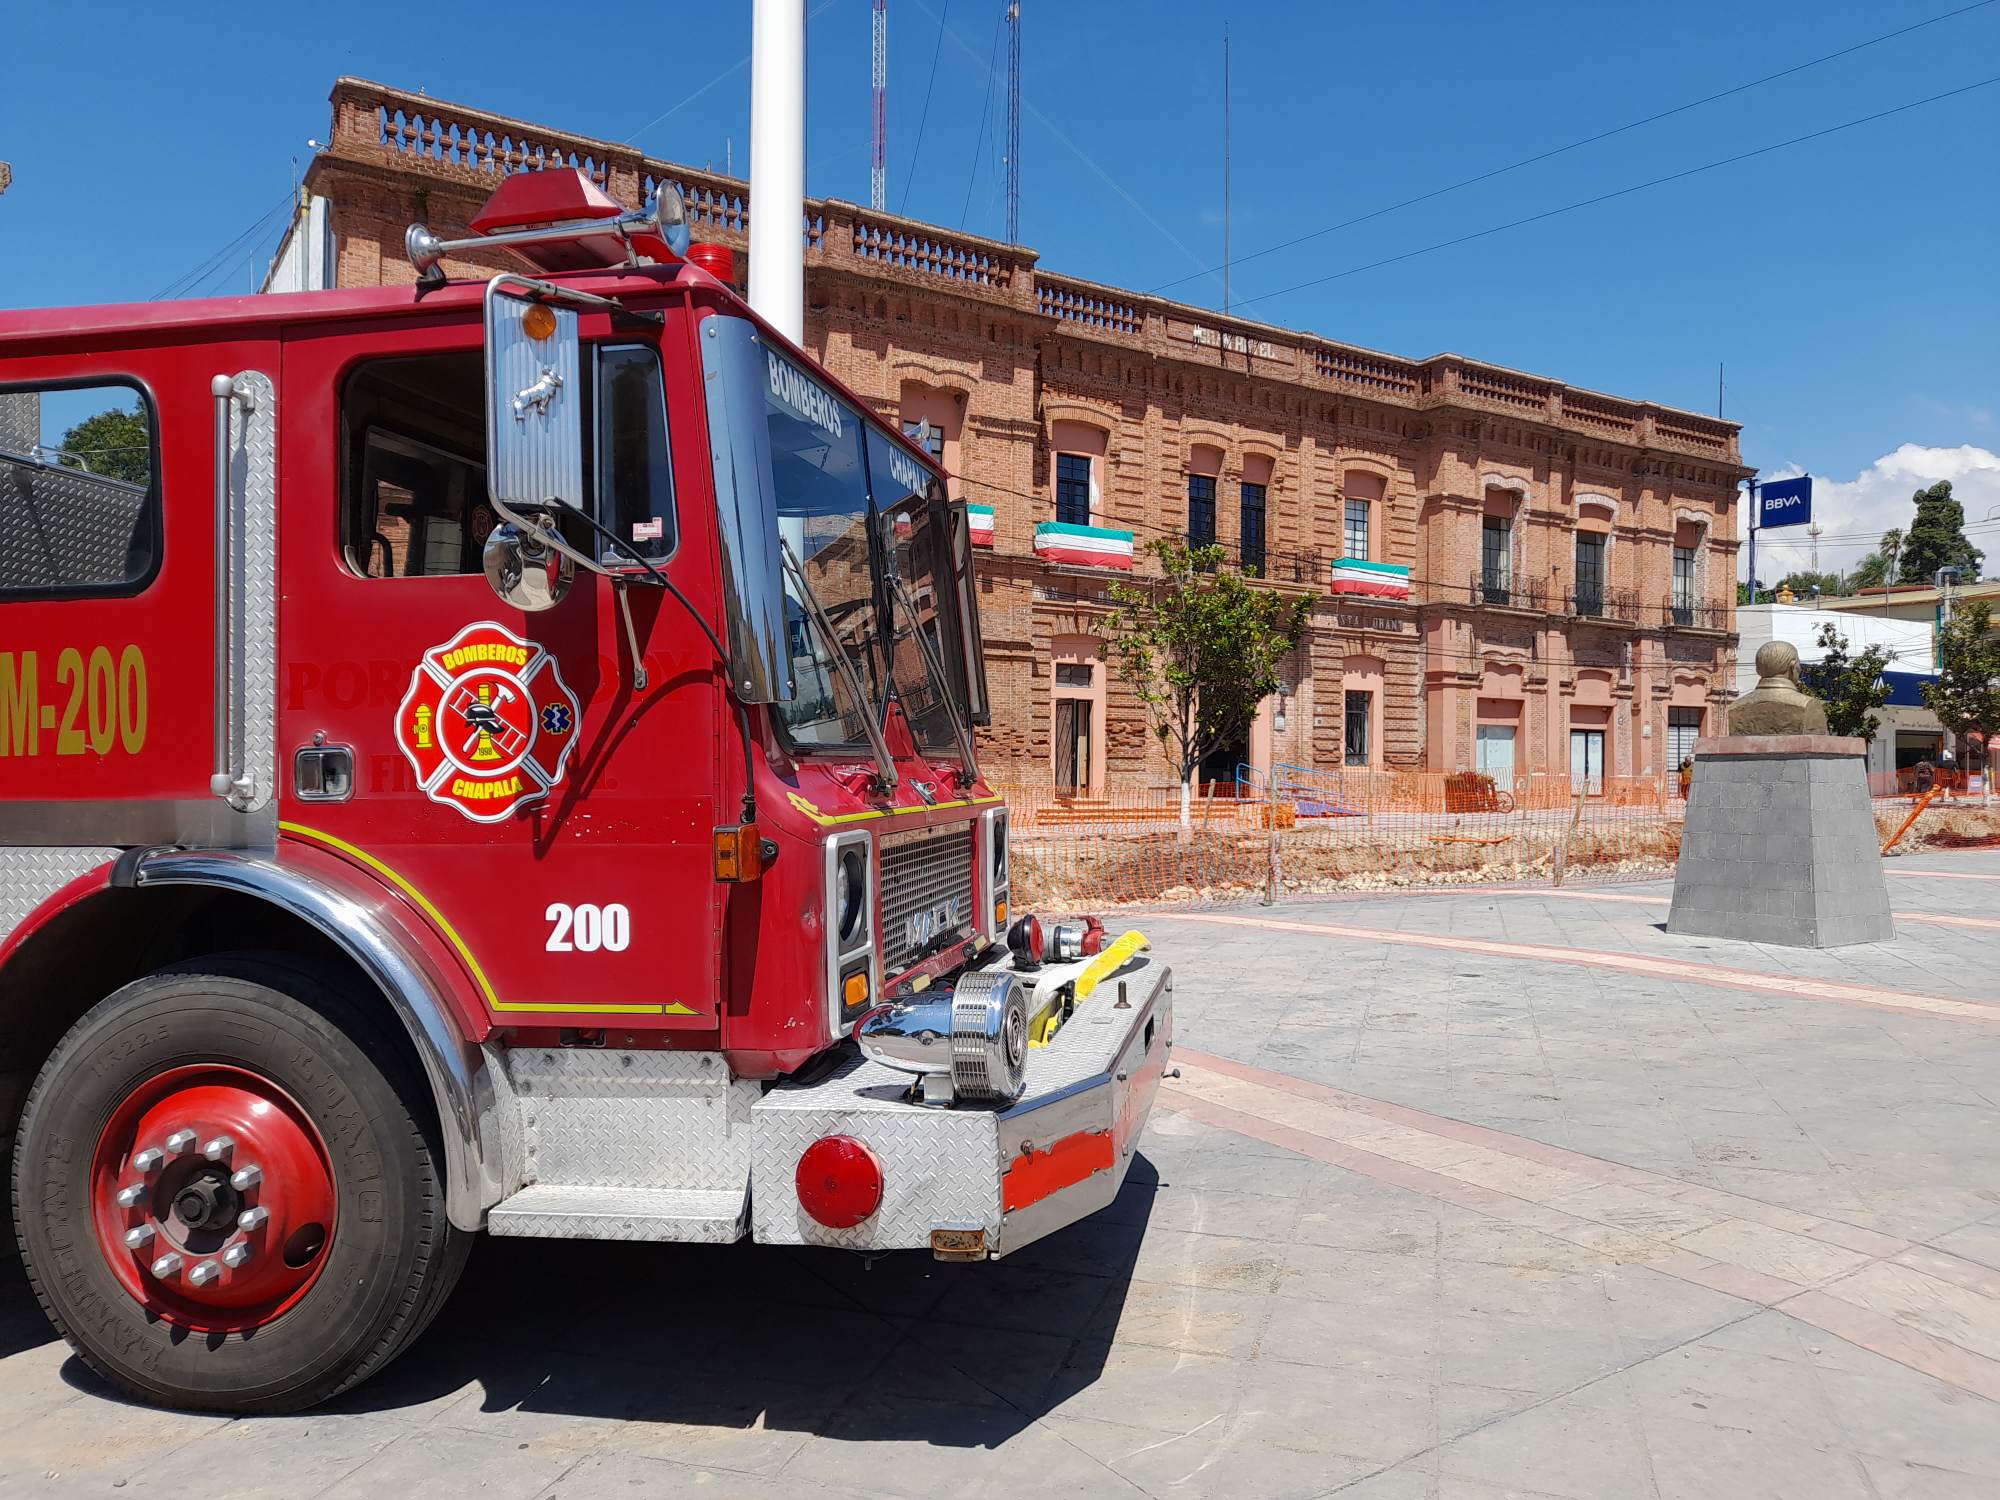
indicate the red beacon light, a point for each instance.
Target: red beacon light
{"x":559,"y":220}
{"x":718,"y":260}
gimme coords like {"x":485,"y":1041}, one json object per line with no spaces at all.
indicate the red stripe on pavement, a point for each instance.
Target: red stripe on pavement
{"x":1872,"y":997}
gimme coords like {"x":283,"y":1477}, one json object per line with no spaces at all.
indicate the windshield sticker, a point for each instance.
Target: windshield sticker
{"x":799,"y":396}
{"x":907,"y":471}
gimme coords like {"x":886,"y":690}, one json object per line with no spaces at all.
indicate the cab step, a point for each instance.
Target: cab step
{"x":626,"y":1145}
{"x":549,"y":1210}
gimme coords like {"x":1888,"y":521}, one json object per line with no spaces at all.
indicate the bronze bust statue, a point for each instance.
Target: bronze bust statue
{"x":1778,"y":705}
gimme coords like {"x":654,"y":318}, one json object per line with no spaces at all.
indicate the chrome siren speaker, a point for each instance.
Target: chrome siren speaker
{"x":976,"y":1036}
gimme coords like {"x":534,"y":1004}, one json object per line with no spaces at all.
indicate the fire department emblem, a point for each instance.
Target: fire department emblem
{"x":487,"y":722}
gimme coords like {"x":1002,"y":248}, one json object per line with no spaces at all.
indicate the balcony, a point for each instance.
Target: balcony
{"x":1273,"y":564}
{"x":1685,"y":614}
{"x":1499,"y":591}
{"x":1609,"y":605}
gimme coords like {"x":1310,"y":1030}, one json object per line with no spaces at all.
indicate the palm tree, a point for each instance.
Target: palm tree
{"x":1892,"y":548}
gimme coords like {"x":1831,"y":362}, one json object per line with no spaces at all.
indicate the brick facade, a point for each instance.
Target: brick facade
{"x":1016,"y":365}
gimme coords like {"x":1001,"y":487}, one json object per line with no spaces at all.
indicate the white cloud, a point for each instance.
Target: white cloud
{"x":1855,"y":512}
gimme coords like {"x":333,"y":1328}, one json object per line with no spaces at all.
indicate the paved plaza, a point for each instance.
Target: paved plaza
{"x":1461,"y":1194}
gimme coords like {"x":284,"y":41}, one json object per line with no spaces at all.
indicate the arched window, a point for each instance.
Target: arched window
{"x":1078,"y":471}
{"x":1204,"y":474}
{"x":1361,"y":496}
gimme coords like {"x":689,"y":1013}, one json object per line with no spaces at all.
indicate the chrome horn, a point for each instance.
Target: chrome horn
{"x":972,"y":1039}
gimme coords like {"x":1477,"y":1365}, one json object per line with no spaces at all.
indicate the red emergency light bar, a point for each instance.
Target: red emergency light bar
{"x":559,"y":220}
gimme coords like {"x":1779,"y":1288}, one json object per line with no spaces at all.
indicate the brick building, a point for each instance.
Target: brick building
{"x":1509,"y":573}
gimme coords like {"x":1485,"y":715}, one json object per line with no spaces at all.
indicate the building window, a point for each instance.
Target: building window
{"x":1586,"y":761}
{"x":1683,"y":605}
{"x":79,"y":499}
{"x":1073,"y":489}
{"x":1355,"y":535}
{"x":1253,"y":526}
{"x":1356,"y":737}
{"x":1496,"y":570}
{"x":932,"y":441}
{"x":1078,"y":705}
{"x":1201,"y":510}
{"x":1683,"y":729}
{"x":1589,"y":599}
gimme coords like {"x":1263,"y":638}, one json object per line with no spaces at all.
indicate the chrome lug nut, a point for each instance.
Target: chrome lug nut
{"x":128,"y":1197}
{"x":137,"y":1236}
{"x":181,"y":1142}
{"x":150,"y":1159}
{"x":204,"y":1272}
{"x":218,"y":1148}
{"x":235,"y":1255}
{"x":246,"y":1177}
{"x":167,"y":1265}
{"x":252,"y":1218}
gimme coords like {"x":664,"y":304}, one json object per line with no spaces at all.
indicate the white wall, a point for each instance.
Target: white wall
{"x":304,"y":261}
{"x":1907,"y":641}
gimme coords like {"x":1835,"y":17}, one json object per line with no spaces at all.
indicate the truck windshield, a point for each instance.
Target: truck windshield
{"x":915,"y":540}
{"x":824,"y":516}
{"x":824,"y":460}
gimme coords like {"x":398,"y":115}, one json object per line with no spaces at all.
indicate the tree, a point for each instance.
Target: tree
{"x":1870,"y":573}
{"x":114,"y":443}
{"x":1965,"y":695}
{"x":1851,"y":687}
{"x":1201,"y":648}
{"x":1805,"y":583}
{"x":1937,"y":538}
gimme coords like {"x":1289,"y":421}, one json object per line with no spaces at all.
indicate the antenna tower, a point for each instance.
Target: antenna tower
{"x":878,"y":173}
{"x":1014,"y":123}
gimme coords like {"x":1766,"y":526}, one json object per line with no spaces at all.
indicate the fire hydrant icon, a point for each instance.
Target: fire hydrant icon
{"x":423,"y":726}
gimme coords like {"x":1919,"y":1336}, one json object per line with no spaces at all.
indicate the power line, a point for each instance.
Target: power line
{"x":180,"y":284}
{"x":1589,"y":140}
{"x":1624,"y":192}
{"x":924,"y":118}
{"x":986,"y":109}
{"x":729,"y":72}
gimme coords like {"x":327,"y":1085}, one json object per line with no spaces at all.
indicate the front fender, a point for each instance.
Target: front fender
{"x":421,"y":982}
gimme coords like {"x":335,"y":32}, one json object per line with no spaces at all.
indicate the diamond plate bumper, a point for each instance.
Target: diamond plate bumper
{"x":1059,"y":1152}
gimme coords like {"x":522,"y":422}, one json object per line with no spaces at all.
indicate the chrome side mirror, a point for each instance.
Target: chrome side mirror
{"x":524,"y":570}
{"x":666,"y":213}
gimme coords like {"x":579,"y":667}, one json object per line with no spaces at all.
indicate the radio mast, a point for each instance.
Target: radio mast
{"x":1014,"y":123}
{"x":878,"y":176}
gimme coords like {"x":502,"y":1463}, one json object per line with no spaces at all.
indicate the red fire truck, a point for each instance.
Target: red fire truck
{"x":498,"y":754}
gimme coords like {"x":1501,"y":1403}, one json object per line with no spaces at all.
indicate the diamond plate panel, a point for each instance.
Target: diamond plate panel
{"x":593,"y":1118}
{"x":706,"y":1217}
{"x":254,"y":439}
{"x":30,"y":874}
{"x":64,"y":527}
{"x":939,"y":1166}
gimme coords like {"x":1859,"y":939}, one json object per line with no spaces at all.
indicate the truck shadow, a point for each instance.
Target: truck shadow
{"x":733,"y":1353}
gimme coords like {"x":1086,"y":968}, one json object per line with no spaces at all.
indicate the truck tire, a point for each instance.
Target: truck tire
{"x":227,"y":1190}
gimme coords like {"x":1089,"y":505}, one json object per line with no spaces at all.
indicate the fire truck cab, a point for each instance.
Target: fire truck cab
{"x":499,"y":755}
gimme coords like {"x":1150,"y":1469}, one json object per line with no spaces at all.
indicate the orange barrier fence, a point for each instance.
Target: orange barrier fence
{"x":1300,"y":832}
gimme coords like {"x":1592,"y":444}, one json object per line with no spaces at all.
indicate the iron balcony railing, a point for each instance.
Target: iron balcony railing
{"x":1500,"y":591}
{"x":1686,"y":614}
{"x":1602,"y":604}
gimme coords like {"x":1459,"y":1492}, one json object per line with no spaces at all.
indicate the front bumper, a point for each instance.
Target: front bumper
{"x":1014,"y":1174}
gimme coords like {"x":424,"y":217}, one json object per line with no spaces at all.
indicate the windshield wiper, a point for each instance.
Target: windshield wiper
{"x":968,"y":771}
{"x":885,"y":767}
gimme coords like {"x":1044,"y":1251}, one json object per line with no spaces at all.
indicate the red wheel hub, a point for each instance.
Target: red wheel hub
{"x":212,"y":1197}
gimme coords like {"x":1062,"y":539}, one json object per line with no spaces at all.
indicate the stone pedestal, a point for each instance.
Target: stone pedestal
{"x":1780,"y":844}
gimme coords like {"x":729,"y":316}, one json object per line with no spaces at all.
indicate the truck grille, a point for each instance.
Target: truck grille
{"x":926,"y":892}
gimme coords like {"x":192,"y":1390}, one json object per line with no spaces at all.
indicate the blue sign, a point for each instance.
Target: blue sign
{"x":1785,"y":502}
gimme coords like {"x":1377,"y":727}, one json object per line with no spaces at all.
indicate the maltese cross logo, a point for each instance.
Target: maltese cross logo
{"x":487,"y":722}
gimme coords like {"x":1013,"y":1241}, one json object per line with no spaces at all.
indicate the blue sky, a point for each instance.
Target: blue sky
{"x":1849,"y":285}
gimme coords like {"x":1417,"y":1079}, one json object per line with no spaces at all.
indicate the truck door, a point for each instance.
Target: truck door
{"x":135,"y":656}
{"x":504,"y":771}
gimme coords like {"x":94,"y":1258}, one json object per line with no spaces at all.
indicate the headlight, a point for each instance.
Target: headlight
{"x":976,"y":1035}
{"x":851,"y":890}
{"x":1000,"y":853}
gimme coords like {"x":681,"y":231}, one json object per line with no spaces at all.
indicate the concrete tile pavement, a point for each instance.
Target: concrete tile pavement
{"x":1415,"y":1222}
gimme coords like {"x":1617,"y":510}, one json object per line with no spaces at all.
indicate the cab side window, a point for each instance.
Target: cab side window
{"x":413,"y":493}
{"x":79,"y":491}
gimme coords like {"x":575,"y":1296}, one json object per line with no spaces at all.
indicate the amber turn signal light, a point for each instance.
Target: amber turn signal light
{"x":739,"y":852}
{"x":854,"y":990}
{"x":538,"y":322}
{"x":999,"y":913}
